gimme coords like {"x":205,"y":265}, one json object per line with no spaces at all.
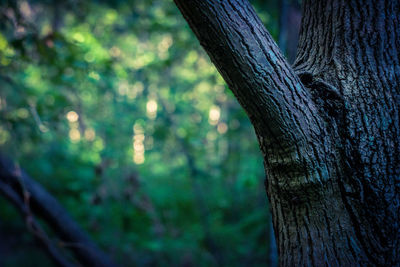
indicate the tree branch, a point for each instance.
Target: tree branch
{"x":30,"y":198}
{"x":50,"y":248}
{"x":245,"y":54}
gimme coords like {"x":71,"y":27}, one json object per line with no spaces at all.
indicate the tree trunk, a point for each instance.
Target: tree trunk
{"x":328,"y":127}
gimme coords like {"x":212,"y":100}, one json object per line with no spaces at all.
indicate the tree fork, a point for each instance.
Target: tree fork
{"x":330,"y":140}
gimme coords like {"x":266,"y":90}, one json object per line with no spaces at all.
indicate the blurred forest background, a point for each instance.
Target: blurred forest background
{"x":117,"y":111}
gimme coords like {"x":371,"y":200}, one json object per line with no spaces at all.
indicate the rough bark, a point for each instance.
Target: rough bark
{"x":328,"y":127}
{"x":32,"y":200}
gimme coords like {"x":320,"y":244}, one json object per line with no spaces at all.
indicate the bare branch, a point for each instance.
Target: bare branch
{"x":51,"y":249}
{"x":31,"y":199}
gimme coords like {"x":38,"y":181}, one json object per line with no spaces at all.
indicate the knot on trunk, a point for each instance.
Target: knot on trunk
{"x":325,"y":96}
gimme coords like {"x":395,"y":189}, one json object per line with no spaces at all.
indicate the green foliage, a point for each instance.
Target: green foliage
{"x":114,"y":107}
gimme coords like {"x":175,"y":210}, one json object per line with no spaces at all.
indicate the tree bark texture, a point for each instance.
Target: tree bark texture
{"x":328,"y":126}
